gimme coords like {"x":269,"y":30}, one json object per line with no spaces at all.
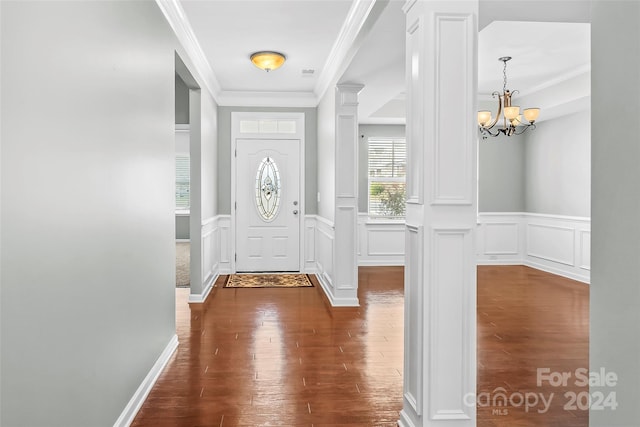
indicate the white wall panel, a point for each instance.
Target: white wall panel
{"x":209,"y":260}
{"x":552,"y":243}
{"x":224,"y":224}
{"x":453,"y":35}
{"x":385,"y":241}
{"x":346,"y":154}
{"x":380,"y":242}
{"x":413,"y":302}
{"x":585,"y":250}
{"x":501,"y":238}
{"x":415,"y":111}
{"x":310,"y":244}
{"x":324,"y":238}
{"x":448,"y":300}
{"x":346,"y":215}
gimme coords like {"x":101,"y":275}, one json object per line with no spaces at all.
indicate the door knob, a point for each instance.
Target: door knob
{"x":295,"y":212}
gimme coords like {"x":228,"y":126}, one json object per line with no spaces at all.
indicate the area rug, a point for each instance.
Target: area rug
{"x":268,"y":281}
{"x":183,"y":250}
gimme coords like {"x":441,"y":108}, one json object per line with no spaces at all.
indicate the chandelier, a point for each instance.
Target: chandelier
{"x":512,"y":123}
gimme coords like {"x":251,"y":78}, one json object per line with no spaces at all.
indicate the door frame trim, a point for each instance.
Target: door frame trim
{"x":299,"y":118}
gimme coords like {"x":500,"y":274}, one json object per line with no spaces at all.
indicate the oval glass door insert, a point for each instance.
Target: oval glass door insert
{"x":268,"y":189}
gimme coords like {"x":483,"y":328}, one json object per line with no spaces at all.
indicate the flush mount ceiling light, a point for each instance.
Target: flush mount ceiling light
{"x":267,"y":60}
{"x":513,"y":123}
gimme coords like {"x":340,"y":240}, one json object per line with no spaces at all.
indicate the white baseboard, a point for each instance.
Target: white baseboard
{"x":333,"y":300}
{"x":200,"y":298}
{"x":404,"y":420}
{"x":131,"y":410}
{"x":380,"y":262}
{"x":558,"y":271}
{"x":500,"y":262}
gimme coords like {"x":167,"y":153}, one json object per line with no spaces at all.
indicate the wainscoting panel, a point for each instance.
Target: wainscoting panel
{"x":324,"y":238}
{"x":501,"y":239}
{"x":210,"y":232}
{"x":310,"y":245}
{"x":553,"y":243}
{"x":385,"y":241}
{"x":585,"y":249}
{"x":380,"y":242}
{"x":224,"y":225}
{"x":210,"y":261}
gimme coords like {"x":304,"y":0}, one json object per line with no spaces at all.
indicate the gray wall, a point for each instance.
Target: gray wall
{"x":88,"y":285}
{"x":501,"y":174}
{"x":182,"y":101}
{"x":182,"y":227}
{"x":615,"y":209}
{"x":224,"y":155}
{"x":545,"y":170}
{"x":364,"y":132}
{"x":558,"y":163}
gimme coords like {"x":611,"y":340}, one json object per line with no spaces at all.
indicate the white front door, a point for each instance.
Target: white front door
{"x":268,"y":205}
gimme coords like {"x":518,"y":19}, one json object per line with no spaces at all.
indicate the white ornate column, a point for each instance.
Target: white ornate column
{"x":346,"y":208}
{"x":440,"y":270}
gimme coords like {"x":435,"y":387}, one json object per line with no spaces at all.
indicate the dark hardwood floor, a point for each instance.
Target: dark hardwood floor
{"x":530,"y":320}
{"x":284,"y":357}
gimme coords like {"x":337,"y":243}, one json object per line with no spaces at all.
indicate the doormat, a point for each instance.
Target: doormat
{"x":268,"y":281}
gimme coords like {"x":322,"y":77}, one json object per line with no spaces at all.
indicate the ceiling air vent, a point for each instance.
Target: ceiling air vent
{"x":308,"y":72}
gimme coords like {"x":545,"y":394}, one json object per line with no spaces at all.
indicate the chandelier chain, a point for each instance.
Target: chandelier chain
{"x":504,"y":74}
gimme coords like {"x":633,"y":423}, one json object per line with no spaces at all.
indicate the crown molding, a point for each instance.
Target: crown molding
{"x":342,"y":48}
{"x":556,"y":81}
{"x":584,"y":69}
{"x":175,"y":15}
{"x":267,"y":99}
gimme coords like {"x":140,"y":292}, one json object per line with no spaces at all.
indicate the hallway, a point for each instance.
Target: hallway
{"x":255,"y":357}
{"x":284,"y":357}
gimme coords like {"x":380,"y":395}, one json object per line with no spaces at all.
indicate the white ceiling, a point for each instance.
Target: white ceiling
{"x":542,"y":52}
{"x":310,"y":33}
{"x":229,"y":31}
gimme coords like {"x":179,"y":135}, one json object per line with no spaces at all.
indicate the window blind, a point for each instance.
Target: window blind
{"x":183,"y":174}
{"x":387,"y":174}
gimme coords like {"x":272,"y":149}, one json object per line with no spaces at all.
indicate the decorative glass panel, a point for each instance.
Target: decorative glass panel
{"x":249,"y":126}
{"x":268,"y":189}
{"x":268,"y":126}
{"x":287,"y":126}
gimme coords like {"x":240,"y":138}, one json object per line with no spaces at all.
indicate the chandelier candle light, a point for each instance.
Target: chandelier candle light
{"x":513,"y":123}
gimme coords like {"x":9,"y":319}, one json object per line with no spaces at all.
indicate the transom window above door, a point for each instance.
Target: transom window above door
{"x":268,"y":126}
